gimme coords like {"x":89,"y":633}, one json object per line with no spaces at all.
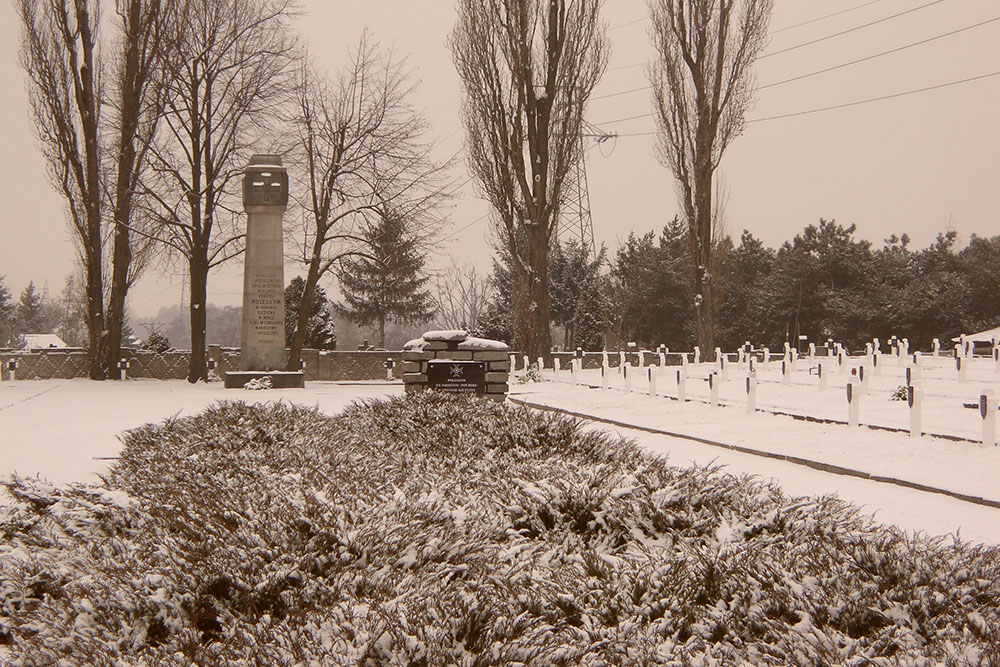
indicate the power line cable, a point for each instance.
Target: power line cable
{"x":821,"y":71}
{"x":464,"y":227}
{"x":821,"y":39}
{"x":628,"y":23}
{"x":876,"y":99}
{"x":869,"y":100}
{"x":850,"y":30}
{"x":822,"y":18}
{"x":828,"y":69}
{"x":879,"y":55}
{"x":619,"y":93}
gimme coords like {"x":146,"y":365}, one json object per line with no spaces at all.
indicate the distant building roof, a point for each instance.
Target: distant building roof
{"x":43,"y":341}
{"x":987,"y":336}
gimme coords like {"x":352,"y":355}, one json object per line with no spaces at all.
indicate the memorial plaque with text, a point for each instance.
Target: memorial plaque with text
{"x":458,"y":377}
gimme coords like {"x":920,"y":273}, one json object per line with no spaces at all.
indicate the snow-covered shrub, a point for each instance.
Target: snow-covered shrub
{"x":436,"y":530}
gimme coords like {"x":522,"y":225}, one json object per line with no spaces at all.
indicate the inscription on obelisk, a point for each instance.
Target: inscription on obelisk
{"x":265,"y":197}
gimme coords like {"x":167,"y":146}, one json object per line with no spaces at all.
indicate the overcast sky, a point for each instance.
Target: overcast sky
{"x":917,"y":163}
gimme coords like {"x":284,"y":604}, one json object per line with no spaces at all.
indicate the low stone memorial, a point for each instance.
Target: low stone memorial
{"x":454,"y":362}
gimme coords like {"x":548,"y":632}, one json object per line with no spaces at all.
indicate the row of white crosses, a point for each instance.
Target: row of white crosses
{"x":855,"y":389}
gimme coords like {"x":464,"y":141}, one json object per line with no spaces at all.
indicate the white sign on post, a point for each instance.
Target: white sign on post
{"x":628,"y":377}
{"x":786,"y":373}
{"x":821,"y":376}
{"x":681,"y":379}
{"x":751,"y":387}
{"x":604,"y":376}
{"x":961,"y":367}
{"x":713,"y":389}
{"x":652,"y":381}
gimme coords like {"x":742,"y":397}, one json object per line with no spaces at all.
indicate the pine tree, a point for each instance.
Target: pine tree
{"x":576,"y":286}
{"x":8,"y":318}
{"x":320,"y":331}
{"x":30,"y":317}
{"x":387,"y":282}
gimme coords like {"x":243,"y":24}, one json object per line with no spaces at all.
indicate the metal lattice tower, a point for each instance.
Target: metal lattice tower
{"x":575,"y":222}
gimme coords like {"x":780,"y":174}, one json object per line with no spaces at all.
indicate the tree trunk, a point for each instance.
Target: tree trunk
{"x":702,"y":231}
{"x":132,"y":85}
{"x":121,"y":260}
{"x":95,"y":313}
{"x":536,"y":336}
{"x":197,"y":369}
{"x":305,"y":306}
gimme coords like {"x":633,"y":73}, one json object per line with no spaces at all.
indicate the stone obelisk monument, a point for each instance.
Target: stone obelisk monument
{"x":262,"y":339}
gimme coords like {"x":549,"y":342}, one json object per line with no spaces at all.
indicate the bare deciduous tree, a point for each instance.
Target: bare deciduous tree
{"x":528,"y":68}
{"x":60,"y":54}
{"x":235,"y":65}
{"x":150,"y":31}
{"x":703,"y":86}
{"x":461,"y":295}
{"x":365,"y":152}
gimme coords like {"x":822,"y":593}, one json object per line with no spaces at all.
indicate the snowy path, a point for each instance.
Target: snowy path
{"x":962,"y":467}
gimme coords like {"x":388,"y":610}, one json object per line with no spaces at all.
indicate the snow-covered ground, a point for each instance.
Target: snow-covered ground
{"x":962,"y":467}
{"x":66,"y":430}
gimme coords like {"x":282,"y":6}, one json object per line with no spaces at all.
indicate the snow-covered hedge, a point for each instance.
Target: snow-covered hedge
{"x":435,"y":530}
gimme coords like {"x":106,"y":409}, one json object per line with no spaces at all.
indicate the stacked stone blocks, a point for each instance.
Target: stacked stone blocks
{"x":456,"y":346}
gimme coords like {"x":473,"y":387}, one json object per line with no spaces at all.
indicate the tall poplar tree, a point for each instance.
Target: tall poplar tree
{"x":528,"y":68}
{"x":703,"y":85}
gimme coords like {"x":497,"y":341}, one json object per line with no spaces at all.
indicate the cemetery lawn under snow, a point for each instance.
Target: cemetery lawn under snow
{"x":433,"y":530}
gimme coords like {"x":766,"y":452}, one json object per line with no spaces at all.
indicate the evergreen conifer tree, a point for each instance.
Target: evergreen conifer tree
{"x":30,"y":317}
{"x":320,"y":332}
{"x":8,"y":315}
{"x":387,"y":283}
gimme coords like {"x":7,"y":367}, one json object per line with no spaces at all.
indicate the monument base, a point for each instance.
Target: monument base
{"x":279,"y":379}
